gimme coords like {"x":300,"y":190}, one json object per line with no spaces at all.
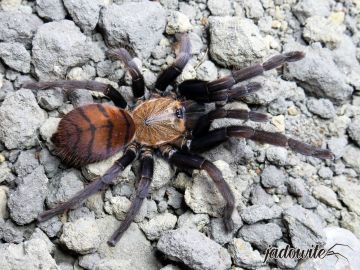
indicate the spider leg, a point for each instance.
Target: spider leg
{"x":104,"y":88}
{"x":220,"y":135}
{"x":147,"y":168}
{"x":98,"y":184}
{"x":204,"y":122}
{"x":193,"y":89}
{"x":191,"y":161}
{"x":170,"y":74}
{"x":138,"y":85}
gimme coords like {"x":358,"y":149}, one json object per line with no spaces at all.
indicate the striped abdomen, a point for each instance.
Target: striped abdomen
{"x":92,"y":133}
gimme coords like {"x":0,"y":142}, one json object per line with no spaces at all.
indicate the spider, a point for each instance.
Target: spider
{"x":172,"y":124}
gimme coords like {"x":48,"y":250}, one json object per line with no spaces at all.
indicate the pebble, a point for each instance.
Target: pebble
{"x":348,"y":193}
{"x":154,"y":228}
{"x":177,"y":22}
{"x":272,"y":177}
{"x":327,"y":196}
{"x":255,"y":213}
{"x":53,"y":10}
{"x":194,"y":249}
{"x":15,"y":56}
{"x":321,"y":107}
{"x":354,"y":130}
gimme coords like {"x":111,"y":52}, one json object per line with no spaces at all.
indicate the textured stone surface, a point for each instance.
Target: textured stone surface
{"x":194,"y":249}
{"x":15,"y":56}
{"x":142,"y":32}
{"x":17,"y":131}
{"x":51,"y":9}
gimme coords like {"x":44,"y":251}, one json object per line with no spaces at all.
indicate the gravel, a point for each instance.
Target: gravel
{"x":281,"y":197}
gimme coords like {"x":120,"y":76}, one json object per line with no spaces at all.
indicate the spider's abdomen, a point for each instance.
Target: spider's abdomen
{"x":159,"y":121}
{"x":92,"y":133}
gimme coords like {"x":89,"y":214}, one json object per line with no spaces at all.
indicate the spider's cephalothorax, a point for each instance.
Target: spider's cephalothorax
{"x":173,"y":124}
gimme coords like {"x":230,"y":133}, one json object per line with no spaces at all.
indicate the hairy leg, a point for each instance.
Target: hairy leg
{"x":193,"y":89}
{"x":203,"y":124}
{"x":217,"y":136}
{"x":191,"y":161}
{"x":104,"y":88}
{"x":169,"y":75}
{"x":138,"y":85}
{"x":95,"y":186}
{"x":147,"y":168}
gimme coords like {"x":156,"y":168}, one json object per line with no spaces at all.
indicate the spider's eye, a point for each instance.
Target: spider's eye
{"x":180,"y":113}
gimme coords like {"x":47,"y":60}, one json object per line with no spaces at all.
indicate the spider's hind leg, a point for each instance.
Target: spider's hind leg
{"x":147,"y":168}
{"x":190,"y":161}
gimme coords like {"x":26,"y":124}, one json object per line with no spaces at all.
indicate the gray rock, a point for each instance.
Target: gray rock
{"x":348,"y":193}
{"x":327,"y":196}
{"x":142,"y":32}
{"x":175,"y":198}
{"x":318,"y":74}
{"x":177,"y":22}
{"x":325,"y":173}
{"x":277,"y":155}
{"x":320,"y":29}
{"x":51,"y":9}
{"x":5,"y":173}
{"x":170,"y":4}
{"x":163,"y":173}
{"x":15,"y":56}
{"x":321,"y":107}
{"x":213,"y":202}
{"x":351,"y":157}
{"x":207,"y":71}
{"x":243,"y":254}
{"x":57,"y":46}
{"x":261,"y":235}
{"x":63,"y":186}
{"x":133,"y":244}
{"x":272,"y":177}
{"x":296,"y":186}
{"x":157,"y":225}
{"x":259,"y":196}
{"x":194,"y":249}
{"x":286,"y":262}
{"x":84,"y":13}
{"x":162,"y":206}
{"x":255,"y":213}
{"x":193,"y":221}
{"x":18,"y":27}
{"x":196,"y":43}
{"x":17,"y":131}
{"x":350,"y":251}
{"x":253,"y":9}
{"x":32,"y":254}
{"x":80,"y":97}
{"x":306,"y":8}
{"x":48,"y":128}
{"x":351,"y":221}
{"x":27,"y":201}
{"x":51,"y":227}
{"x":338,"y":146}
{"x":354,"y":130}
{"x":235,"y":48}
{"x":219,"y":8}
{"x":4,"y":190}
{"x":305,"y":227}
{"x":12,"y":233}
{"x":218,"y":232}
{"x":119,"y":206}
{"x":81,"y":236}
{"x":50,"y":99}
{"x":26,"y":163}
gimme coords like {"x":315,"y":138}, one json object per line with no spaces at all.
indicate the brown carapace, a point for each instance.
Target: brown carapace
{"x":172,"y":122}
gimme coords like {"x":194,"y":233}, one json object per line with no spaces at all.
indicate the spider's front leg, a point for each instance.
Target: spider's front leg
{"x":147,"y":170}
{"x":95,"y":186}
{"x":211,"y":91}
{"x":190,"y":161}
{"x":71,"y":85}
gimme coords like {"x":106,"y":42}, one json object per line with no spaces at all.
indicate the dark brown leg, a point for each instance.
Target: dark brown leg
{"x":203,"y":124}
{"x":202,"y":88}
{"x":170,"y":74}
{"x":147,"y":168}
{"x":98,"y":184}
{"x":191,"y":161}
{"x":106,"y":89}
{"x":217,"y":136}
{"x":138,"y":85}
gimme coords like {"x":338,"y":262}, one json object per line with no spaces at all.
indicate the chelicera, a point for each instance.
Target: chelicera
{"x":170,"y":123}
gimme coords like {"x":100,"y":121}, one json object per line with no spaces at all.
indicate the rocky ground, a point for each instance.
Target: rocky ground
{"x":281,"y":197}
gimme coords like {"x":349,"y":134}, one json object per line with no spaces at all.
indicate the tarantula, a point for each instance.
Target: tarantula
{"x":172,"y":123}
